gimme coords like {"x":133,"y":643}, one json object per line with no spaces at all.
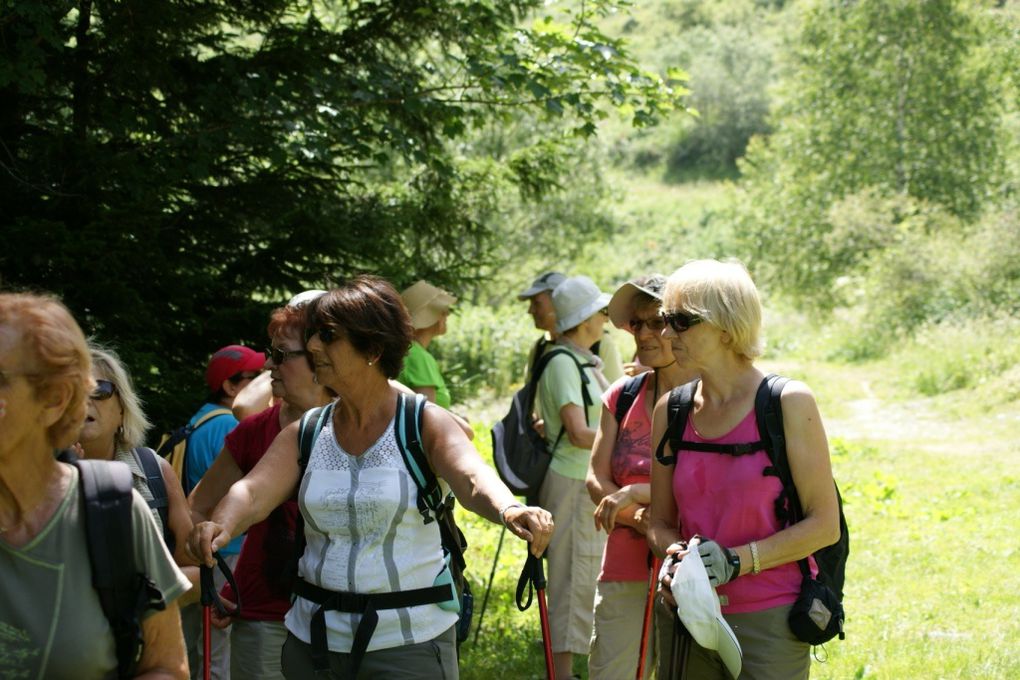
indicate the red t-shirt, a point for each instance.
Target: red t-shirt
{"x":266,"y":560}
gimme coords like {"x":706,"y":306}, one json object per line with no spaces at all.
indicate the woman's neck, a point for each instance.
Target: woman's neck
{"x":103,"y":449}
{"x":32,"y":482}
{"x":373,"y":398}
{"x":423,"y":336}
{"x":293,"y":409}
{"x":581,"y":337}
{"x":729,"y":380}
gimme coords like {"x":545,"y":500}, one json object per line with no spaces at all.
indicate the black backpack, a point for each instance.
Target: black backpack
{"x":124,"y":593}
{"x":519,"y":453}
{"x":768,"y":411}
{"x":160,"y":502}
{"x":433,"y":503}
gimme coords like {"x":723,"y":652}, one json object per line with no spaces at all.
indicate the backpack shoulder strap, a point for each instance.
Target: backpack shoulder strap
{"x":215,"y":413}
{"x":546,"y":358}
{"x":106,"y":494}
{"x":768,"y":410}
{"x":410,"y":410}
{"x":631,"y":389}
{"x":308,"y":431}
{"x":681,"y":399}
{"x":160,"y":502}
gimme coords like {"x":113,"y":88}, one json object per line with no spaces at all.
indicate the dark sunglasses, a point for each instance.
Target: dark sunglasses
{"x":244,"y":375}
{"x":325,"y":333}
{"x":279,"y":356}
{"x":104,"y":390}
{"x":680,"y":321}
{"x":654,"y":324}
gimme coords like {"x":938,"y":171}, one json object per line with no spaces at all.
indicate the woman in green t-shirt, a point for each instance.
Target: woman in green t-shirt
{"x":429,"y":307}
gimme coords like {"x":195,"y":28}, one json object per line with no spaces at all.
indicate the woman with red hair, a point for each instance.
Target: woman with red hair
{"x":48,"y":606}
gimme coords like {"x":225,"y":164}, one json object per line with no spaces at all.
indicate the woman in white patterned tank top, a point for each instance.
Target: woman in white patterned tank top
{"x":371,"y":565}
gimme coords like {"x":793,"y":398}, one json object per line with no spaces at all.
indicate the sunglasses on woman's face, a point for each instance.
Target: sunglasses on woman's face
{"x":680,"y":321}
{"x":281,"y":355}
{"x":325,"y":333}
{"x":104,"y":390}
{"x":654,"y":324}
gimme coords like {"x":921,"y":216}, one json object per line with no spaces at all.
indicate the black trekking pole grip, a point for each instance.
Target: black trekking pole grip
{"x":209,"y":595}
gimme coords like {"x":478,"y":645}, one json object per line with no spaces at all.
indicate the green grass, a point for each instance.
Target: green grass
{"x":932,"y":497}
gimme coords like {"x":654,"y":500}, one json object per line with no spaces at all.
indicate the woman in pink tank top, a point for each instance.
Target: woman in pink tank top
{"x":713,"y":317}
{"x":617,"y":482}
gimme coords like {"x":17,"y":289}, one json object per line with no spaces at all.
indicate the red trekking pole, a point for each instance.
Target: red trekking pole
{"x":210,"y":599}
{"x":534,"y":575}
{"x":646,"y":627}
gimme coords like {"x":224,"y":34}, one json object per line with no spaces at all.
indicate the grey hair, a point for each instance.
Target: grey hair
{"x":108,"y":365}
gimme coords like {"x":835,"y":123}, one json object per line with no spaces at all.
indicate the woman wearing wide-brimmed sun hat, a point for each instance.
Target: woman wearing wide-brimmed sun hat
{"x":569,"y":401}
{"x":429,"y":308}
{"x":618,"y":481}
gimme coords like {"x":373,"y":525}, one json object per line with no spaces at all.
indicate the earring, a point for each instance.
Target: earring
{"x":370,"y":362}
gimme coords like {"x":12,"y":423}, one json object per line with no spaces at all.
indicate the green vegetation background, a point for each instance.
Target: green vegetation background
{"x":175,"y":171}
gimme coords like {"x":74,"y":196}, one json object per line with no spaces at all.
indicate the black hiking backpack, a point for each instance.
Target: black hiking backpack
{"x":520,"y":454}
{"x":124,"y":592}
{"x":831,"y":560}
{"x":434,"y":503}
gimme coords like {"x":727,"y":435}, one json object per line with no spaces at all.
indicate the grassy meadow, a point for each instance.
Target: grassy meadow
{"x":932,"y":496}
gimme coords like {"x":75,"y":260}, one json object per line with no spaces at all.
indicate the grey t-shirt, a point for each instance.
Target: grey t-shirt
{"x":51,"y":622}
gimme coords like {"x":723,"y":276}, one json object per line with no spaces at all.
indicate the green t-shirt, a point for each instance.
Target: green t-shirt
{"x":51,"y":622}
{"x":560,"y":385}
{"x":421,"y":370}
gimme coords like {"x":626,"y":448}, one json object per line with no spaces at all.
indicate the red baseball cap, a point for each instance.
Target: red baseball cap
{"x":230,"y":360}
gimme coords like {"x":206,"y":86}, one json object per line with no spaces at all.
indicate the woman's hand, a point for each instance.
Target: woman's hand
{"x":610,"y":506}
{"x":205,"y":539}
{"x":533,"y":524}
{"x":674,"y":554}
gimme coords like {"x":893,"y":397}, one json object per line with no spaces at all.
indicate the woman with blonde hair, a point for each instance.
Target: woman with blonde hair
{"x":50,"y":606}
{"x":115,"y":428}
{"x":728,"y":502}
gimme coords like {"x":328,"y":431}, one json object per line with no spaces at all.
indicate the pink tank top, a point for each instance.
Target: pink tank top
{"x":728,"y":499}
{"x":626,"y":554}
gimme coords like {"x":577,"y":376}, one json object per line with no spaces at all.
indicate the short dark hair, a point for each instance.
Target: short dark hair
{"x":369,"y":312}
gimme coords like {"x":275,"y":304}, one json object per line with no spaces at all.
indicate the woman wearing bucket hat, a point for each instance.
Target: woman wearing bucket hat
{"x":727,"y":497}
{"x":618,"y":480}
{"x":429,"y":308}
{"x":568,"y":399}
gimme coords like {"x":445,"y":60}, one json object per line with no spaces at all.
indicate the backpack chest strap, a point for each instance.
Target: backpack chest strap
{"x":726,"y":449}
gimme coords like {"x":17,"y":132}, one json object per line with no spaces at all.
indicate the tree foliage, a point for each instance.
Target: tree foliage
{"x":173,"y":169}
{"x":892,"y":97}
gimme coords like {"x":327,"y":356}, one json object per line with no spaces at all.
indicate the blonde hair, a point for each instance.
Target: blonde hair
{"x":51,"y":337}
{"x":723,"y":294}
{"x":134,"y":424}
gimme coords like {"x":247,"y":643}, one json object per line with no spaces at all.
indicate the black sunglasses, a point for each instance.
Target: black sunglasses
{"x":680,"y":321}
{"x":326,"y":334}
{"x":654,"y":324}
{"x":104,"y":390}
{"x":279,"y":356}
{"x":243,"y":375}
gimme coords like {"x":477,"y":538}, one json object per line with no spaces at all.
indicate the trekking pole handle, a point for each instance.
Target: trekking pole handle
{"x":209,"y":595}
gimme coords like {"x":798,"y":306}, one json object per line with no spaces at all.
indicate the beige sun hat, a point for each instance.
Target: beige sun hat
{"x":425,"y":303}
